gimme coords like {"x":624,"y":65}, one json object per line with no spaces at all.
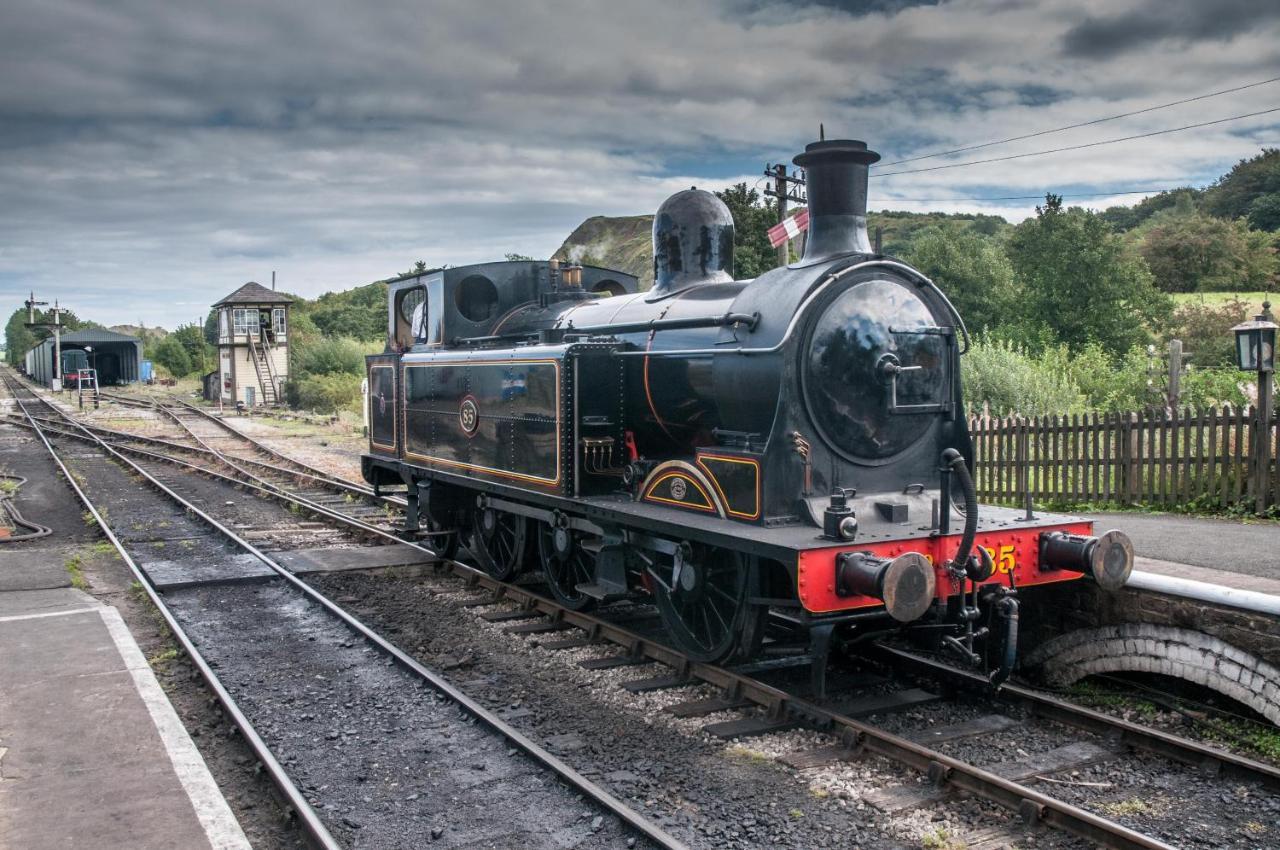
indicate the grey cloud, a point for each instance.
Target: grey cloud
{"x":160,"y":152}
{"x":1156,"y":21}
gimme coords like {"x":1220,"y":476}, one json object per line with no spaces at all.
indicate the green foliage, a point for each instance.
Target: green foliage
{"x":211,"y":328}
{"x":1234,"y":194}
{"x":172,"y":355}
{"x":327,"y":393}
{"x":1189,"y":251}
{"x":360,"y":313}
{"x":342,"y":355}
{"x":19,"y":339}
{"x":752,"y":218}
{"x":515,"y":258}
{"x":1205,"y":330}
{"x":1212,"y":388}
{"x":900,"y":229}
{"x":201,"y":356}
{"x":1079,"y":281}
{"x":1125,"y":218}
{"x":1009,"y":380}
{"x":1264,"y":212}
{"x":971,"y":269}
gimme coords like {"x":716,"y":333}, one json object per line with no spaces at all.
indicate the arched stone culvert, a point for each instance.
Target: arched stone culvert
{"x":1147,"y":648}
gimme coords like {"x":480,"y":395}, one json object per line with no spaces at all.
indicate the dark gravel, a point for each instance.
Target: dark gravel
{"x":687,"y":784}
{"x":384,"y":759}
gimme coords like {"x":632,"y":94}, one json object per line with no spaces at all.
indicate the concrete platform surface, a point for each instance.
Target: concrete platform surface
{"x":92,"y":754}
{"x":1232,"y":546}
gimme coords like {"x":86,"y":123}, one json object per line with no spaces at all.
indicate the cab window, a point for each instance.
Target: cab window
{"x":410,"y":316}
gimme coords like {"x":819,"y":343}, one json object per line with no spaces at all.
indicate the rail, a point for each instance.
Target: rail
{"x":860,"y":737}
{"x":315,"y":828}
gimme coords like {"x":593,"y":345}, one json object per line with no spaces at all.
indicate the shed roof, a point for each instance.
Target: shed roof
{"x":92,"y":335}
{"x":255,"y":293}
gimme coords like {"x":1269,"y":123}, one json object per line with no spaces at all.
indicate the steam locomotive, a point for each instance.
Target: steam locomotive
{"x":788,"y":452}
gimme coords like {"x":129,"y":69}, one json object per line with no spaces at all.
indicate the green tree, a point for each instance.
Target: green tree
{"x":1233,"y":195}
{"x":359,"y":312}
{"x":1125,"y":218}
{"x":211,"y":328}
{"x":972,"y":270}
{"x":1079,"y":282}
{"x":752,"y":218}
{"x":172,"y":355}
{"x":1190,"y":251}
{"x":1264,"y":212}
{"x":19,"y":339}
{"x":200,"y":354}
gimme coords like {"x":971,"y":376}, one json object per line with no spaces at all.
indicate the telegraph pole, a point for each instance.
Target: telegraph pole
{"x":56,"y":327}
{"x":781,"y":191}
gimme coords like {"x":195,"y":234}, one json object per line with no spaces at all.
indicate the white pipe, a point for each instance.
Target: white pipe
{"x":1216,"y":594}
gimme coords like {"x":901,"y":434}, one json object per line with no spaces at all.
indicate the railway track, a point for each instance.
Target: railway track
{"x":763,"y":708}
{"x":243,"y":629}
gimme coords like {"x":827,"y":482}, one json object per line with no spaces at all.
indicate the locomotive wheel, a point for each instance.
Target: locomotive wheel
{"x":566,"y":564}
{"x":444,"y":545}
{"x":702,"y":595}
{"x":498,"y":540}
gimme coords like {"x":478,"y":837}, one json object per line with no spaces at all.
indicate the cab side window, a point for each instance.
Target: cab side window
{"x":410,"y":312}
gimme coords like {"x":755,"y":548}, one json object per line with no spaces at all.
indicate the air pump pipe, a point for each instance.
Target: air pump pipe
{"x":954,"y":461}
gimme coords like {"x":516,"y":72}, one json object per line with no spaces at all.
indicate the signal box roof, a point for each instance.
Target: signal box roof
{"x":255,"y":293}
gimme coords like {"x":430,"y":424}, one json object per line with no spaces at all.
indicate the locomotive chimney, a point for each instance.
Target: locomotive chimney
{"x":836,"y":183}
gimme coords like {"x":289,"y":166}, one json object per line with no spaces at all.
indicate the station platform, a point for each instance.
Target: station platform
{"x":1242,"y":555}
{"x":92,"y":754}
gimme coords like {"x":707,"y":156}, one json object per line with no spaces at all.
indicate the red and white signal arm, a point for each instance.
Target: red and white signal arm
{"x":789,"y":228}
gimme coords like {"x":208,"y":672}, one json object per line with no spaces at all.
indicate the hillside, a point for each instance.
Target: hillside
{"x":622,"y":243}
{"x":625,"y":242}
{"x":144,"y":334}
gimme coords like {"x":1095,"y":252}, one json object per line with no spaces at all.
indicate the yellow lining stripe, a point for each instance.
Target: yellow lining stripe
{"x":709,"y":506}
{"x":718,"y":489}
{"x":391,"y":448}
{"x":502,"y":473}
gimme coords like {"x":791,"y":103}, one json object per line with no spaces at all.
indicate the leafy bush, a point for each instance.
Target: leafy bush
{"x":1205,"y":330}
{"x":1010,"y":381}
{"x":171,"y":354}
{"x":341,"y":355}
{"x":327,"y":393}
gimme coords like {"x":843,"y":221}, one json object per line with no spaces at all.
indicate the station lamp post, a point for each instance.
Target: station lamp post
{"x":1256,"y":352}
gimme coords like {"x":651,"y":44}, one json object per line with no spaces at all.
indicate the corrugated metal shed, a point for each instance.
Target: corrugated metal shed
{"x":116,"y":356}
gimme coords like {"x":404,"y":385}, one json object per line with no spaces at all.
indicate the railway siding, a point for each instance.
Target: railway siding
{"x":308,"y":677}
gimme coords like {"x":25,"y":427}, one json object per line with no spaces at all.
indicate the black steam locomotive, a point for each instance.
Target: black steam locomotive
{"x":786,"y":450}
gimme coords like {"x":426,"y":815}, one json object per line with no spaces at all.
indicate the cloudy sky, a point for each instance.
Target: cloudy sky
{"x":154,"y":154}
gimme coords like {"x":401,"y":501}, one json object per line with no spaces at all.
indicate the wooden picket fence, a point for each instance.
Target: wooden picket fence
{"x":1205,"y":456}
